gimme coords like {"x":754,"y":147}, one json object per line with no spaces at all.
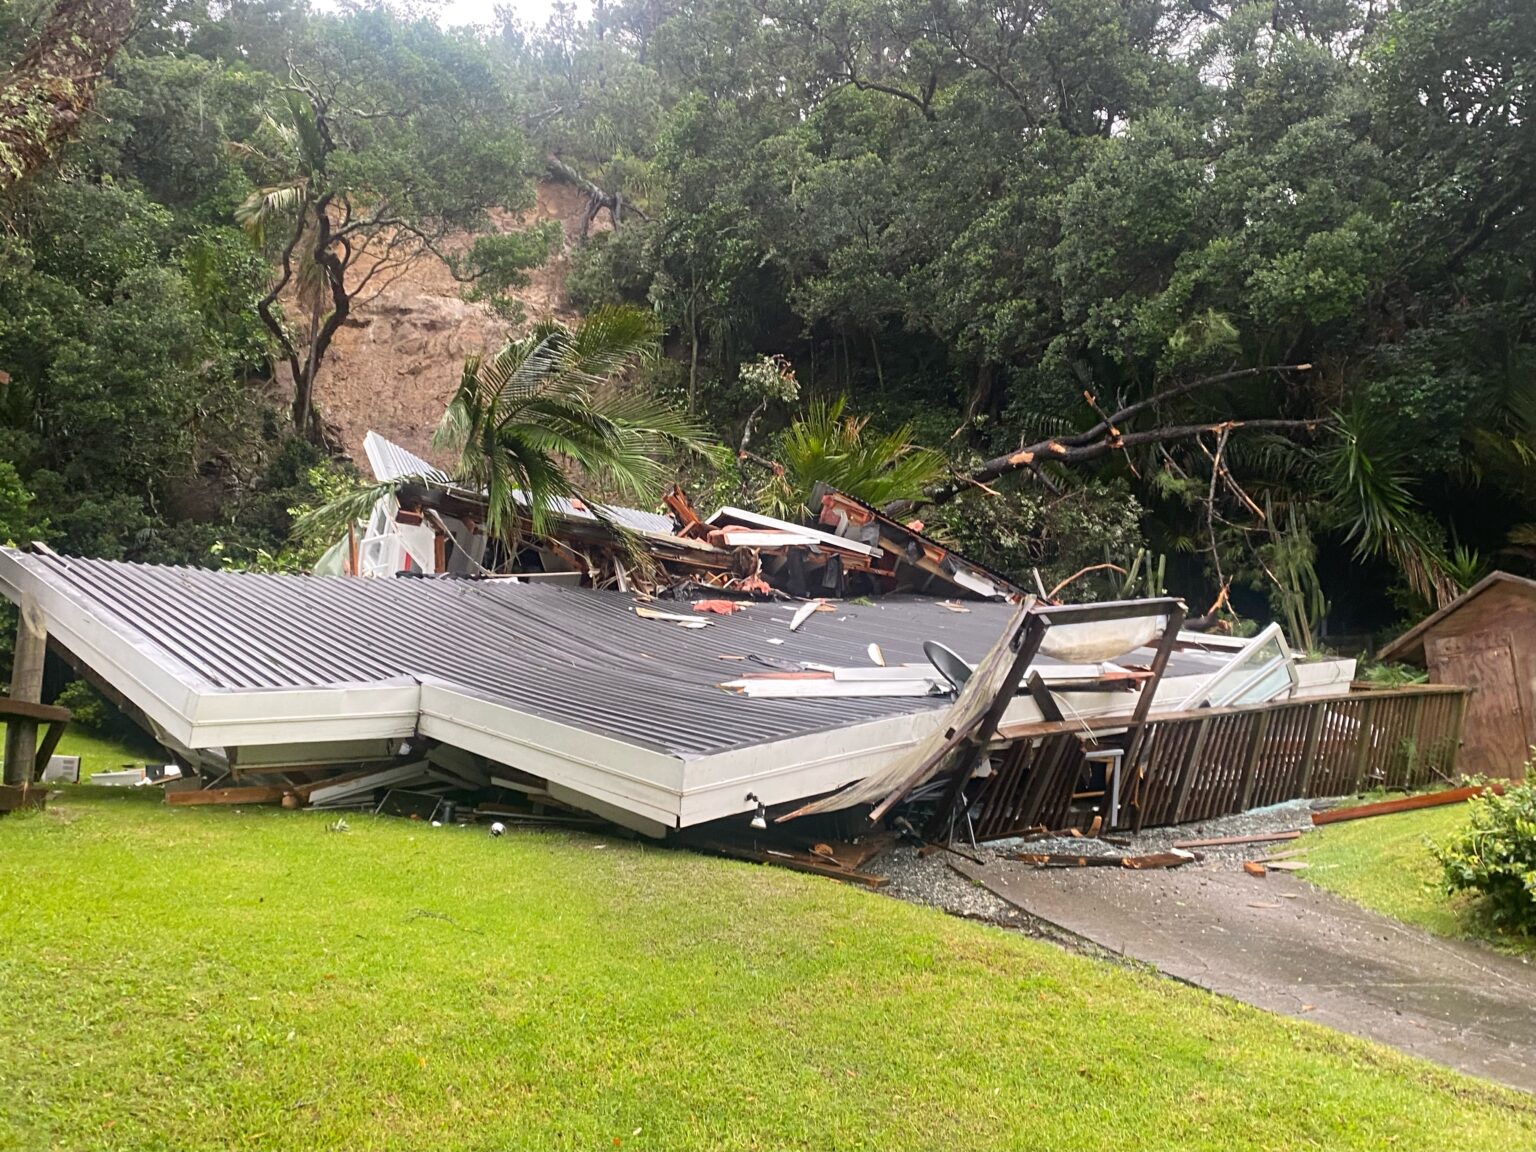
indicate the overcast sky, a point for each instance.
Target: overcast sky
{"x":534,"y":12}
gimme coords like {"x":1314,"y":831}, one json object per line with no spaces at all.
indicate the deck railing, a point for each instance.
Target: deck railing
{"x":1188,"y":766}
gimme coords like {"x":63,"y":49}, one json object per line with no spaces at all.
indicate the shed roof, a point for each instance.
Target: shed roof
{"x":1409,"y":647}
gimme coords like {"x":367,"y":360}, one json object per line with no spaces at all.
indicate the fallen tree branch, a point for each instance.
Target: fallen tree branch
{"x":1077,"y":450}
{"x":597,"y":198}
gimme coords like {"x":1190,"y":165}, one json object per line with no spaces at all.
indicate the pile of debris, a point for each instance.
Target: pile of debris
{"x":433,"y":526}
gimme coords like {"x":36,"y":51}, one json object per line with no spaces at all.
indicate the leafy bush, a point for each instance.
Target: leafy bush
{"x":87,"y":708}
{"x":1496,"y":856}
{"x":827,"y":445}
{"x":1019,"y":529}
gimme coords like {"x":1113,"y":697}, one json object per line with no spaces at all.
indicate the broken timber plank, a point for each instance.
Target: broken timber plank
{"x":1066,"y":860}
{"x":1223,"y":841}
{"x":811,"y":864}
{"x":1404,"y":804}
{"x":252,"y":795}
{"x":1174,"y":859}
{"x":15,"y":797}
{"x":347,"y":786}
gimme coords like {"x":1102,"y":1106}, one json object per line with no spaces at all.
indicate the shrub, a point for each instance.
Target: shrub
{"x":1496,"y":855}
{"x":87,"y":708}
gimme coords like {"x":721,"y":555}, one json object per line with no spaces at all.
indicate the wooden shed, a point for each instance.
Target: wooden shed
{"x":1486,"y":640}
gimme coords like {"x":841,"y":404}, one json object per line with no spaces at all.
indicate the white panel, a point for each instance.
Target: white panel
{"x":621,"y":812}
{"x":649,"y":781}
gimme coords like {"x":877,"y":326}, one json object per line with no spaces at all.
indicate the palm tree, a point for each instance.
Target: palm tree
{"x":1367,"y":475}
{"x":828,"y":446}
{"x":541,"y":418}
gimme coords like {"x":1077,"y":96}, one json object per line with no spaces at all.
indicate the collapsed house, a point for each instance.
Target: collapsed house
{"x":432,"y":525}
{"x":514,"y":695}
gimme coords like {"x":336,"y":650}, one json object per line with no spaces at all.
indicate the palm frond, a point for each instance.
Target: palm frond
{"x":527,"y":420}
{"x":828,"y":446}
{"x":332,"y":519}
{"x":264,"y":205}
{"x":1366,"y":472}
{"x":610,"y":340}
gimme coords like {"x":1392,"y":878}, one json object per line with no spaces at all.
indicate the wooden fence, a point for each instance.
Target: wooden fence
{"x":1188,"y":766}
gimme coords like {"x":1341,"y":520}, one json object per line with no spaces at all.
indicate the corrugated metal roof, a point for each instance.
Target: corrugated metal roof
{"x":574,"y":655}
{"x":389,"y":461}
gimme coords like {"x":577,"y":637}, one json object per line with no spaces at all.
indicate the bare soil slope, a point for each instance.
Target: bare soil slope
{"x":394,"y":365}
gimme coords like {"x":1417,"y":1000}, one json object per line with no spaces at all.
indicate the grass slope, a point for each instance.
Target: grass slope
{"x":215,"y":979}
{"x":104,"y":754}
{"x":1384,"y":863}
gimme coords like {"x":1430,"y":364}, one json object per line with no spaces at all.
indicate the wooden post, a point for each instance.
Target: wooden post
{"x":1309,"y":753}
{"x":1413,"y":770}
{"x":1130,"y":763}
{"x":26,"y":685}
{"x":1191,"y":766}
{"x":974,"y":747}
{"x":1457,"y":732}
{"x":1251,"y":761}
{"x":1362,"y":743}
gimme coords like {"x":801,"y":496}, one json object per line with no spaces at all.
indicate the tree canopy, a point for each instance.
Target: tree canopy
{"x":1245,"y":283}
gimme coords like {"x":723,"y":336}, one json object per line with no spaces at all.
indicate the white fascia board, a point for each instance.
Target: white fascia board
{"x":624,"y":813}
{"x":643,"y":780}
{"x":266,"y":716}
{"x":155,"y":681}
{"x":757,"y":520}
{"x":805,"y":766}
{"x":797,"y":768}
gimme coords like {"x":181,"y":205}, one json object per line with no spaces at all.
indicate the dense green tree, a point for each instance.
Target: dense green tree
{"x":1083,"y":249}
{"x":384,"y":138}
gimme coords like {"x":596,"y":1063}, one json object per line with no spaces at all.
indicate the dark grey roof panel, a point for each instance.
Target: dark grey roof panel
{"x":572,"y":655}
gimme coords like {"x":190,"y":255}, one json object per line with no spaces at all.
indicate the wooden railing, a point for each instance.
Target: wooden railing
{"x":1188,"y":766}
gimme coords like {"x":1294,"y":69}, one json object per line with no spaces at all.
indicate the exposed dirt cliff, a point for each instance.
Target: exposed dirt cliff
{"x":394,"y":365}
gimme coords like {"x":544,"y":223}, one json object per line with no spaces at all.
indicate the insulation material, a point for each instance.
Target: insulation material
{"x":1101,"y":639}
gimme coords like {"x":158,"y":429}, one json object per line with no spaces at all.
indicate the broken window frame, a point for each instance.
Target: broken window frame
{"x":1233,"y":684}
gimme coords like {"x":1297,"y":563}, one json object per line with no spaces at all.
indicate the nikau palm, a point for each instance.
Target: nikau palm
{"x":829,"y":446}
{"x":543,"y":417}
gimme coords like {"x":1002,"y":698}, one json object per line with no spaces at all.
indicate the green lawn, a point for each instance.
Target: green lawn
{"x":102,"y":754}
{"x":249,"y":979}
{"x":1384,"y":863}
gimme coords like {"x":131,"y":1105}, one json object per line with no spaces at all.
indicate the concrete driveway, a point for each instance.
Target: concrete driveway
{"x":1280,"y":944}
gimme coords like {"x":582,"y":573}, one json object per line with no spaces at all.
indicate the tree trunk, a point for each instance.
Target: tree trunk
{"x":46,"y":95}
{"x":693,"y":362}
{"x":980,"y":399}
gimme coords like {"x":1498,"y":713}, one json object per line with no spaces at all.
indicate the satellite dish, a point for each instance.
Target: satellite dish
{"x":948,"y":662}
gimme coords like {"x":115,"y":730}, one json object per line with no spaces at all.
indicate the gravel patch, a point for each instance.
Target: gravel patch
{"x":929,"y":879}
